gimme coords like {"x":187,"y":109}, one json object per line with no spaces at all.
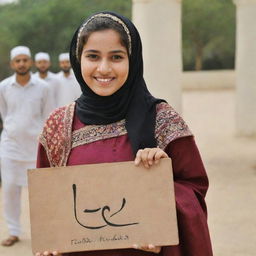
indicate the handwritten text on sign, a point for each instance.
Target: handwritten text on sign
{"x":103,"y":210}
{"x":102,"y":206}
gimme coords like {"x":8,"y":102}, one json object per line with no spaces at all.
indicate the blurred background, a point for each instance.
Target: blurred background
{"x":48,"y":25}
{"x":218,"y":93}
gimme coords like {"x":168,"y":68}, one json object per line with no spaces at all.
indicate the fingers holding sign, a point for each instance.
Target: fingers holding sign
{"x":46,"y":253}
{"x":148,"y":248}
{"x":149,"y":156}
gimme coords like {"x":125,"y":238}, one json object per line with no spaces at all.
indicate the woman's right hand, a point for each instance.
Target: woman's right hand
{"x":149,"y":156}
{"x":46,"y":253}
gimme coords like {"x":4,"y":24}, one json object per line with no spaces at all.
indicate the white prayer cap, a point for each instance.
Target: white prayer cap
{"x":20,"y":50}
{"x":42,"y":56}
{"x":64,"y":56}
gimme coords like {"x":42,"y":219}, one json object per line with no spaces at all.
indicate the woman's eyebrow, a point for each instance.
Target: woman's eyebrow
{"x":96,"y":51}
{"x":118,"y":51}
{"x":91,"y":50}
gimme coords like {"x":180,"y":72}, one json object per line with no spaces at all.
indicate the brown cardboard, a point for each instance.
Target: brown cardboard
{"x":137,"y":203}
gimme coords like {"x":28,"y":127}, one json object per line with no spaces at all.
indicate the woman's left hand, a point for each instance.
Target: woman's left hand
{"x":148,"y":248}
{"x":48,"y":253}
{"x":149,"y":156}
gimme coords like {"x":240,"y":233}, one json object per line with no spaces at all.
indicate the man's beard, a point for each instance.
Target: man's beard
{"x":66,"y":70}
{"x":42,"y":71}
{"x":23,"y":73}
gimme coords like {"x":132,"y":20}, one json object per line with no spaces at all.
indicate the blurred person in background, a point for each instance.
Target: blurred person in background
{"x":1,"y":128}
{"x":25,"y":103}
{"x":69,"y":87}
{"x":43,"y":64}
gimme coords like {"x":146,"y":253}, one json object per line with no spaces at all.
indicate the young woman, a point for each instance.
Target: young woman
{"x":117,"y":119}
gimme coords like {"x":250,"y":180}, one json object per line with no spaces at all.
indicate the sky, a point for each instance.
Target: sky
{"x":7,"y":1}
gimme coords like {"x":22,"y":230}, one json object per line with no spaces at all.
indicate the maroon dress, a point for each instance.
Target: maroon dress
{"x":66,"y":141}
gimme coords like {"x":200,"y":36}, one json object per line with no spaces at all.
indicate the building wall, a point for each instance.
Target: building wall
{"x":208,"y":80}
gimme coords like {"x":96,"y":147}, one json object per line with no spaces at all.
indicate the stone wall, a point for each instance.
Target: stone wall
{"x":208,"y":80}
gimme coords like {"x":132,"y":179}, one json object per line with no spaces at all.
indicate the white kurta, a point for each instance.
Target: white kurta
{"x":54,"y":84}
{"x":23,"y":110}
{"x":69,"y":89}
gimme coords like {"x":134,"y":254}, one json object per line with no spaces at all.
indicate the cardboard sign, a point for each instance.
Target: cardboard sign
{"x":102,"y":206}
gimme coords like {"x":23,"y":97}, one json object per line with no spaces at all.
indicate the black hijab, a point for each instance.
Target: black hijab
{"x":132,"y":102}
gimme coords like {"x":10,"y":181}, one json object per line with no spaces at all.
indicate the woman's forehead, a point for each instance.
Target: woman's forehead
{"x":98,"y":19}
{"x":104,"y":39}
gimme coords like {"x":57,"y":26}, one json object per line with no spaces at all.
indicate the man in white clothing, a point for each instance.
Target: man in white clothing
{"x":69,"y":87}
{"x":43,"y":63}
{"x":24,"y":105}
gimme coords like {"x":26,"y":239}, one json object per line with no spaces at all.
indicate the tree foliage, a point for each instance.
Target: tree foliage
{"x":47,"y":25}
{"x":208,"y":34}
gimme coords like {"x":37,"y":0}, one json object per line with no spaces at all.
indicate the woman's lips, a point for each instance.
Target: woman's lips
{"x":105,"y":80}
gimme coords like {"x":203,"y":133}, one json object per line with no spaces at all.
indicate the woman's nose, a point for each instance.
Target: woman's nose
{"x":104,"y":67}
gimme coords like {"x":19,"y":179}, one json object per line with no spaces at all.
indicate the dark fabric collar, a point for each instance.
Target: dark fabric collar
{"x":132,"y":102}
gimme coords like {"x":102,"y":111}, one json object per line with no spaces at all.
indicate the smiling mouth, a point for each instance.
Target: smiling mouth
{"x":104,"y":81}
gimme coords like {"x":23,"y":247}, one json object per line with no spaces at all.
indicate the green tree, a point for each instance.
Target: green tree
{"x":208,"y":31}
{"x":47,"y":25}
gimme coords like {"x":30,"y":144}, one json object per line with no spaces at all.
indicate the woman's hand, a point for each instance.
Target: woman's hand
{"x":149,"y":156}
{"x":46,"y":253}
{"x":148,"y":248}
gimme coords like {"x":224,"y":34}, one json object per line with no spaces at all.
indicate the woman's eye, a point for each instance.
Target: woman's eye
{"x":92,"y":56}
{"x":117,"y":57}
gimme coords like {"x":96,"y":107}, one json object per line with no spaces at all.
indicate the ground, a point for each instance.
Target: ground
{"x":231,"y":165}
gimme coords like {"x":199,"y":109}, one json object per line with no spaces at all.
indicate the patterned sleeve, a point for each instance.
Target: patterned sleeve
{"x":169,"y":125}
{"x":56,"y":135}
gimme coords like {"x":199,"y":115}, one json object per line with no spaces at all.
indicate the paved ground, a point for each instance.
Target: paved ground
{"x":231,"y":165}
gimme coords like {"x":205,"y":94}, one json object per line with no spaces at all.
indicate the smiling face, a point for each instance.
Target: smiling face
{"x":104,"y":62}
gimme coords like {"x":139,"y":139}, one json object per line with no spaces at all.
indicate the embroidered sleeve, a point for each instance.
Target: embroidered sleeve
{"x":56,"y":135}
{"x":92,"y":133}
{"x":169,"y":125}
